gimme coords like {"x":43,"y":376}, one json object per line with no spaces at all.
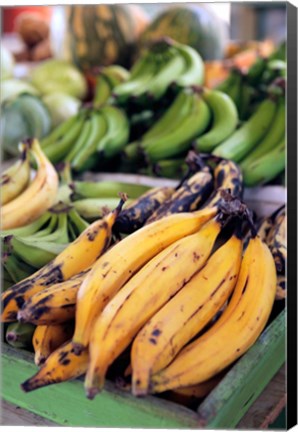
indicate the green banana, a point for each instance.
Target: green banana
{"x":117,"y":134}
{"x":94,"y":208}
{"x":48,"y":230}
{"x":194,"y":73}
{"x":142,"y":72}
{"x":82,"y":139}
{"x":234,"y":91}
{"x":30,"y":229}
{"x":58,"y":133}
{"x":256,"y":71}
{"x":170,"y":168}
{"x":56,"y":151}
{"x":177,"y":111}
{"x":103,"y":91}
{"x":165,"y":75}
{"x":98,"y":130}
{"x":107,"y":189}
{"x":15,"y":268}
{"x":244,"y":139}
{"x":225,"y":119}
{"x":267,"y":167}
{"x":19,"y":335}
{"x":247,"y":93}
{"x":36,"y":254}
{"x":59,"y":233}
{"x":76,"y":222}
{"x":274,"y":135}
{"x":179,"y":140}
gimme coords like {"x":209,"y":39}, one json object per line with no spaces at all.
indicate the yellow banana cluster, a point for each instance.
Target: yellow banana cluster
{"x":181,"y":298}
{"x":26,"y":201}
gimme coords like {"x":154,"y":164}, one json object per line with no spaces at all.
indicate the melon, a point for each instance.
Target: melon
{"x":193,"y":25}
{"x":97,"y":35}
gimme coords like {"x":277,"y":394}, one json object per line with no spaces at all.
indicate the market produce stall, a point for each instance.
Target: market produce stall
{"x":144,"y":223}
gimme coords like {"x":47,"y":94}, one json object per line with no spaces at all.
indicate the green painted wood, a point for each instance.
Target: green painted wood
{"x":67,"y":405}
{"x":230,"y":400}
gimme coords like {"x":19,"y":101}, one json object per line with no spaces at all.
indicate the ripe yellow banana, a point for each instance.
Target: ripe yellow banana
{"x":53,"y":305}
{"x":39,"y":196}
{"x":76,"y":257}
{"x":47,"y":338}
{"x":117,"y":265}
{"x":170,"y":329}
{"x":143,"y":295}
{"x":62,"y":365}
{"x":236,"y":330}
{"x":16,"y":178}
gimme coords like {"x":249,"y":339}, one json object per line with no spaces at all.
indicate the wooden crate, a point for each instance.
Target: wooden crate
{"x":227,"y":406}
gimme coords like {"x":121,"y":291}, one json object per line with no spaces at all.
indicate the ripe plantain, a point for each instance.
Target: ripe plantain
{"x":235,"y":332}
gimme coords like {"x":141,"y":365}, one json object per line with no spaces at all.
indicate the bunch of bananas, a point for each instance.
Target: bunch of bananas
{"x":107,"y":78}
{"x":258,"y":145}
{"x":97,"y":297}
{"x":273,"y":231}
{"x":163,"y":64}
{"x":26,"y":249}
{"x":25,"y":200}
{"x":89,"y":138}
{"x":196,"y":115}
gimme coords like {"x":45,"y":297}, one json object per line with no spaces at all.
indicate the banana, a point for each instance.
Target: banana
{"x":170,"y":168}
{"x":141,"y":73}
{"x":32,"y":228}
{"x":188,"y":197}
{"x":78,"y":256}
{"x":227,"y":176}
{"x":47,"y":338}
{"x":235,"y":89}
{"x":274,"y":135}
{"x":135,"y":215}
{"x":107,"y":189}
{"x":117,"y":134}
{"x":123,"y":260}
{"x":184,"y":395}
{"x":103,"y":90}
{"x":81,"y":139}
{"x":94,"y":208}
{"x":264,"y":227}
{"x":247,"y":96}
{"x":19,"y":335}
{"x":16,"y":269}
{"x":116,"y":74}
{"x":38,"y":197}
{"x":15,"y":179}
{"x":36,"y":253}
{"x":256,"y":71}
{"x":77,"y":223}
{"x":179,"y":139}
{"x":235,"y":332}
{"x":53,"y":305}
{"x":244,"y":139}
{"x":166,"y":74}
{"x":176,"y":112}
{"x":142,"y":296}
{"x":173,"y":326}
{"x":224,"y":120}
{"x":61,"y":365}
{"x":58,"y":149}
{"x":266,"y":167}
{"x":278,"y":245}
{"x":59,"y":132}
{"x":194,"y":73}
{"x":83,"y":159}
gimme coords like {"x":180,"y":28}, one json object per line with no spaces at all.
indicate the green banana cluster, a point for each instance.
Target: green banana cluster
{"x":106,"y":80}
{"x":163,"y":64}
{"x":198,"y":117}
{"x":89,"y":138}
{"x":28,"y":248}
{"x":248,"y":89}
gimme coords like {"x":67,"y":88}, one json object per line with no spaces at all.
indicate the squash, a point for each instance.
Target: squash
{"x":192,"y":25}
{"x":98,"y":35}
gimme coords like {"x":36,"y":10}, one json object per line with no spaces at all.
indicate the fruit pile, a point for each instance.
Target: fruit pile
{"x":149,"y":291}
{"x":145,"y":120}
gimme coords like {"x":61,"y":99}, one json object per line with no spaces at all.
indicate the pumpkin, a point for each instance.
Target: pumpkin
{"x":97,"y":35}
{"x":192,"y":25}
